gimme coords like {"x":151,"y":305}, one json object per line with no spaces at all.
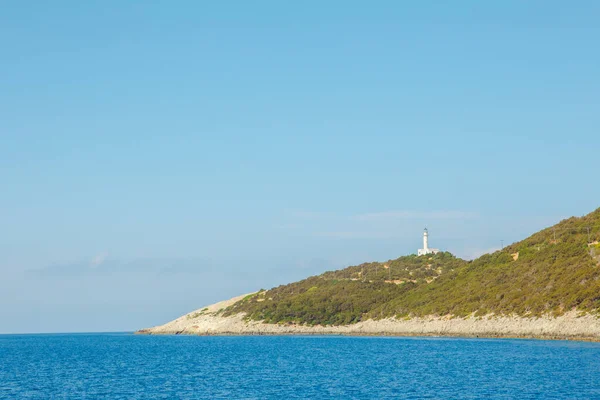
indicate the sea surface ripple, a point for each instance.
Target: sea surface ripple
{"x":127,"y":366}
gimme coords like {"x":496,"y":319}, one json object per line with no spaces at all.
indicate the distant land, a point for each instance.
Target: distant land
{"x":546,"y":286}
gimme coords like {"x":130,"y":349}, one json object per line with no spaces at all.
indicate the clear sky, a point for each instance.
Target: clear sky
{"x":159,"y":156}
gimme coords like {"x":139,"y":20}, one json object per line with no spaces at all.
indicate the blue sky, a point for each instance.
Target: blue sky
{"x":158,"y":157}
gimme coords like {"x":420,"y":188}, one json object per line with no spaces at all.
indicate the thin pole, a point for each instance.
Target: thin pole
{"x":589,"y":239}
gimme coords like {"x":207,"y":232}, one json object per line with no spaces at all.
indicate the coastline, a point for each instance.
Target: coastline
{"x":570,"y":326}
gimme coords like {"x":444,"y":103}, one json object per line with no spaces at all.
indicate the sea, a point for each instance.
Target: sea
{"x":128,"y":366}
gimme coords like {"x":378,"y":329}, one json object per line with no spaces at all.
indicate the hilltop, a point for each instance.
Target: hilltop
{"x":553,"y":275}
{"x":349,"y":295}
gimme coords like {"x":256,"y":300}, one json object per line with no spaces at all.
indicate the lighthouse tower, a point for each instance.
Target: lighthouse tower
{"x":426,"y":250}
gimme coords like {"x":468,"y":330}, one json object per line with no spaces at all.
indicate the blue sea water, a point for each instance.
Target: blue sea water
{"x":127,"y":366}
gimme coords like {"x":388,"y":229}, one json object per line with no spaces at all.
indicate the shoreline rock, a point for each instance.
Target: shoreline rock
{"x":570,"y":326}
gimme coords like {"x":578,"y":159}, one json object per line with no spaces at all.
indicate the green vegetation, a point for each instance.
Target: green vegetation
{"x":555,"y":271}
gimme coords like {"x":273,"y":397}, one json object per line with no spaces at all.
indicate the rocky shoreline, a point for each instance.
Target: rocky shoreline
{"x":570,"y":326}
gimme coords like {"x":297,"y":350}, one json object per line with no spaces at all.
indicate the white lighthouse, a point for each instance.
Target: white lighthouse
{"x":426,"y":250}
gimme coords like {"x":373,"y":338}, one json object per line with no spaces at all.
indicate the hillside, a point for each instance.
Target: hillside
{"x":547,"y":285}
{"x":551,"y":272}
{"x":348,"y":295}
